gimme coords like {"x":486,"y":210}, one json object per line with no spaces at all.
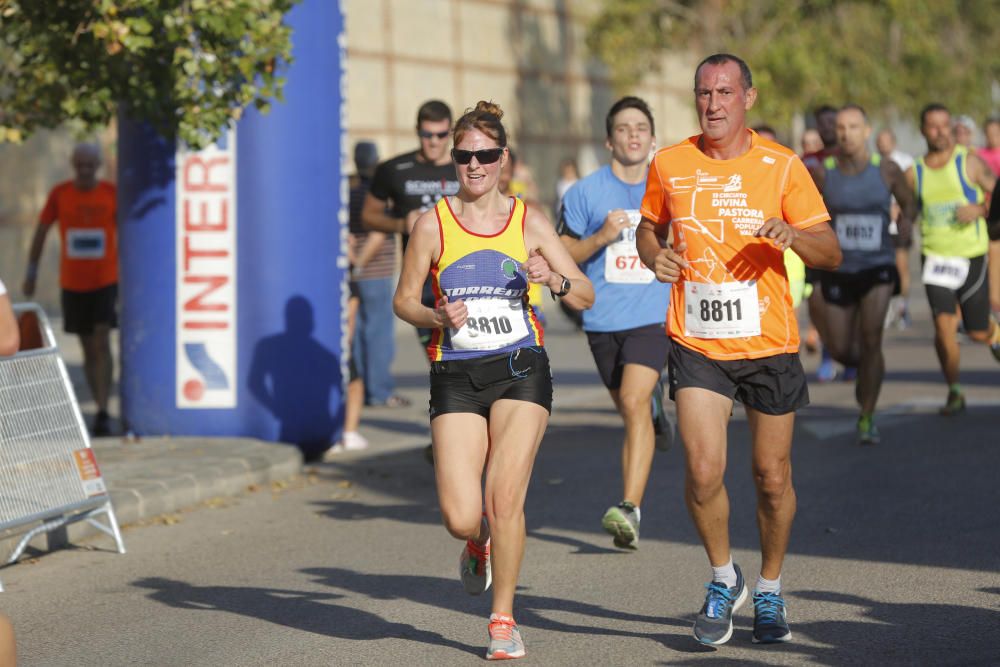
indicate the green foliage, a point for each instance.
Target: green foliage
{"x":188,"y":67}
{"x":890,"y":56}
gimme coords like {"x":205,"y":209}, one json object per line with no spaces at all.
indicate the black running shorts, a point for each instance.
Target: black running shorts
{"x":646,"y":346}
{"x":82,"y":311}
{"x":973,"y":297}
{"x":847,"y":289}
{"x":772,"y":385}
{"x":473,"y":385}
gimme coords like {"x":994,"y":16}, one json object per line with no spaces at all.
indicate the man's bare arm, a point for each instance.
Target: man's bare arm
{"x":375,"y":219}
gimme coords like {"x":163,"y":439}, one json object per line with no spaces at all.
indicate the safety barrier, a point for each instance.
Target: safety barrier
{"x":48,"y":473}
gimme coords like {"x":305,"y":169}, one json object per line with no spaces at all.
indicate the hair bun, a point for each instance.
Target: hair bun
{"x":490,"y":107}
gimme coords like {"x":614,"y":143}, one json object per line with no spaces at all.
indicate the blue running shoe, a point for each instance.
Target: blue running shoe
{"x":769,"y":619}
{"x":827,"y":371}
{"x":714,"y":625}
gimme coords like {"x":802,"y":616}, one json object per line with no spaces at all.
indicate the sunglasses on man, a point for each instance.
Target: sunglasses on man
{"x":427,"y":134}
{"x":484,"y":156}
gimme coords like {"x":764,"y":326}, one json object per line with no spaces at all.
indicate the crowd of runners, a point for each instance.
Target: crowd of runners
{"x":677,"y":261}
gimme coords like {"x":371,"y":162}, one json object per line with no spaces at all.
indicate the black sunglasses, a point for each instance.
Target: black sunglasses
{"x":484,"y":156}
{"x":427,"y":134}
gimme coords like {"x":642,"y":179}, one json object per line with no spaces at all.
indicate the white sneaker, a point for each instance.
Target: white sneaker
{"x":354,"y":441}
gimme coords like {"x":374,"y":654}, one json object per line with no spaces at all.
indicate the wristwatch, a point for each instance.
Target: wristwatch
{"x":563,"y":286}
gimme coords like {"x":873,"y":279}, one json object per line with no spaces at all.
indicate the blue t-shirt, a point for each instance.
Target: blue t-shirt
{"x":627,"y":294}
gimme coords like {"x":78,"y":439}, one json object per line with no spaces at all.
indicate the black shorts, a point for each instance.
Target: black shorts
{"x":973,"y":297}
{"x":646,"y":346}
{"x":82,"y":311}
{"x":847,"y":289}
{"x":772,"y":385}
{"x":473,"y":385}
{"x":814,"y":276}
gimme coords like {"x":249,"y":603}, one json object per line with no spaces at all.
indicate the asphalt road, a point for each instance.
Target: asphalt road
{"x":895,"y":554}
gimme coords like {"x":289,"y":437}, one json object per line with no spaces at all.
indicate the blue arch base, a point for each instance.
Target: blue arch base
{"x":281,"y":376}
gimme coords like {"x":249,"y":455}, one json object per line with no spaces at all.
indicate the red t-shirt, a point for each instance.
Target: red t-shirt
{"x":88,"y":233}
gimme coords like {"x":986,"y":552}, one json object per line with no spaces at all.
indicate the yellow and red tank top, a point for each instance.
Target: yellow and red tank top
{"x":485,"y":272}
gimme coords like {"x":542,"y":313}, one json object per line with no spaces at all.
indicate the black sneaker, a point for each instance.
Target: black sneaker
{"x":102,"y":425}
{"x":954,"y":405}
{"x":663,"y":430}
{"x":714,"y":625}
{"x":770,"y":625}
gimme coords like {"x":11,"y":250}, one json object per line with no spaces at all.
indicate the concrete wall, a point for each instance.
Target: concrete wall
{"x":530,"y":56}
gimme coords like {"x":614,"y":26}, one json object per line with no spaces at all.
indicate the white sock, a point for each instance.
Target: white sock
{"x":768,"y":585}
{"x":725,"y":573}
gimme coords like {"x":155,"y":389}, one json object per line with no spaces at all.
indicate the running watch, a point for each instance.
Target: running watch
{"x":563,"y":286}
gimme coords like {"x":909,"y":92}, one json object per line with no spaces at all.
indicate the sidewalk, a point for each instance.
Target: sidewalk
{"x":152,"y":477}
{"x":155,"y":476}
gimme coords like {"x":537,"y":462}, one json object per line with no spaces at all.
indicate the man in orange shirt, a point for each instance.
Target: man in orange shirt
{"x":85,"y":209}
{"x":720,"y":209}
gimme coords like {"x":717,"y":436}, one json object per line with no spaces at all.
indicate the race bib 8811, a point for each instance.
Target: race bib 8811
{"x":727,"y":310}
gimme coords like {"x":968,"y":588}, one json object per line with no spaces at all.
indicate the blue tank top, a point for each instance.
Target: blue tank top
{"x":859,"y":209}
{"x":485,"y":272}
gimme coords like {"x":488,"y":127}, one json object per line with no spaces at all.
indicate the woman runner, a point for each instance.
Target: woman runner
{"x":491,"y":388}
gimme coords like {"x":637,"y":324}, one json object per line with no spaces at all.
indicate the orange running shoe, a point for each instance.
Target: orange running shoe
{"x":505,"y":639}
{"x":474,"y":568}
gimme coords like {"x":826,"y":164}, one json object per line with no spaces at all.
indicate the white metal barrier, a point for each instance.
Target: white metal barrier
{"x":48,"y":473}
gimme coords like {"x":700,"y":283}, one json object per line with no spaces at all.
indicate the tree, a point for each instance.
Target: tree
{"x":890,"y":56}
{"x":188,"y":67}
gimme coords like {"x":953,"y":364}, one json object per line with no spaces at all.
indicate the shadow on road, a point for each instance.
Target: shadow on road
{"x":300,"y":610}
{"x":533,"y":611}
{"x":888,"y":503}
{"x":927,"y":633}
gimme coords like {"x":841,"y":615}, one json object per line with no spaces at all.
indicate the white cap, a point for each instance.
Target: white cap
{"x":3,"y":288}
{"x":966,"y":122}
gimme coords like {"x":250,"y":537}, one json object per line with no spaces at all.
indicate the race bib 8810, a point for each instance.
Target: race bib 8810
{"x":493,"y":323}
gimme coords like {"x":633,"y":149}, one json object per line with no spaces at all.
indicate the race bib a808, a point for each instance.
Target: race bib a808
{"x":727,"y":310}
{"x":947,"y":272}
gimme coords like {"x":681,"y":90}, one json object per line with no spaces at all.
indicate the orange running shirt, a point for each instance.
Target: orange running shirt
{"x":88,"y":233}
{"x":716,"y":206}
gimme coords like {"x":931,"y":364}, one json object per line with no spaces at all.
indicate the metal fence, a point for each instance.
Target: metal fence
{"x":48,"y":473}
